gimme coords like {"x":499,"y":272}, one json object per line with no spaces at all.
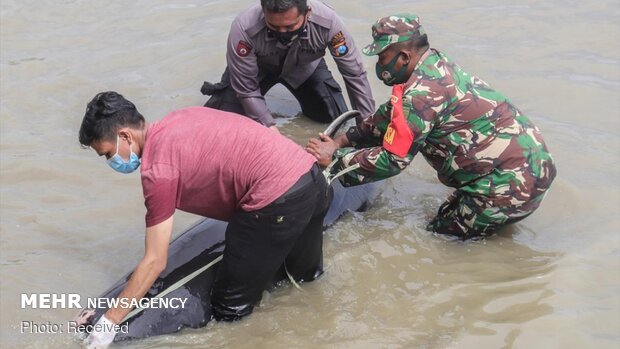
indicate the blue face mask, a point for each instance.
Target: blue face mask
{"x":119,"y":165}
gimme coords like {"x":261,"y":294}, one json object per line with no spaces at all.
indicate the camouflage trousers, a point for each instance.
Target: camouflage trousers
{"x":480,"y":208}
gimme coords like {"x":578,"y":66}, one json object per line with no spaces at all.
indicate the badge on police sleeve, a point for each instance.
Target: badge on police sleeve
{"x":338,"y":45}
{"x":243,"y":48}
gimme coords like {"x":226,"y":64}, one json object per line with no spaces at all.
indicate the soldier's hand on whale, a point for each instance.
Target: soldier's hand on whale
{"x":102,"y":335}
{"x":322,"y":149}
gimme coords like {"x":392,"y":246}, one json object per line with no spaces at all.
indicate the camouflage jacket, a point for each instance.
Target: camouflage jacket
{"x":463,"y":128}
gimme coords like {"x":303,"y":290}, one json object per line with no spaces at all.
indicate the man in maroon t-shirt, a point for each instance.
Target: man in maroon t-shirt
{"x":223,"y":166}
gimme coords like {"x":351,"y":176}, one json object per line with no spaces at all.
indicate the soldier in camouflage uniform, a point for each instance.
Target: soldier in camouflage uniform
{"x":473,"y":136}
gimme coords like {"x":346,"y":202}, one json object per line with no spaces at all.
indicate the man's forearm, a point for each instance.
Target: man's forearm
{"x":373,"y":164}
{"x":342,"y":141}
{"x":360,"y":94}
{"x":156,"y":242}
{"x":256,"y":109}
{"x":140,"y":281}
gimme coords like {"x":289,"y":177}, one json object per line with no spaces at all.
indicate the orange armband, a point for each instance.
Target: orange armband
{"x":398,"y":136}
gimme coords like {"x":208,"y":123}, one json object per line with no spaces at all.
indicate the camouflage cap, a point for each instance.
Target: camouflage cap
{"x":392,"y":29}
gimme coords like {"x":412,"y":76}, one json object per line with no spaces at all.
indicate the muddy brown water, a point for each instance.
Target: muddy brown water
{"x":69,"y":224}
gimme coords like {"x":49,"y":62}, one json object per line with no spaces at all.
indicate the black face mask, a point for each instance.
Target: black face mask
{"x":285,"y":38}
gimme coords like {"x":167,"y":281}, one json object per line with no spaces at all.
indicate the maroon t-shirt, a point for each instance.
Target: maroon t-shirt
{"x":212,"y":163}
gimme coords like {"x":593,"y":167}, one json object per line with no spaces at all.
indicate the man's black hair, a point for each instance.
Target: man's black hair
{"x":419,"y":44}
{"x":105,"y":114}
{"x":280,"y":6}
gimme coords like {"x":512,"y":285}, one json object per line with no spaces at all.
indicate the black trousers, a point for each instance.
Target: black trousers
{"x":320,"y":97}
{"x":259,"y":243}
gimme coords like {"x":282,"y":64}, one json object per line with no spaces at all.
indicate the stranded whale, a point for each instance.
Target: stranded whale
{"x":192,"y":265}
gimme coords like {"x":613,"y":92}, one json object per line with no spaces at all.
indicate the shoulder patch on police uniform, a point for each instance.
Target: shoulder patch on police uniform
{"x":243,"y":48}
{"x":338,"y":45}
